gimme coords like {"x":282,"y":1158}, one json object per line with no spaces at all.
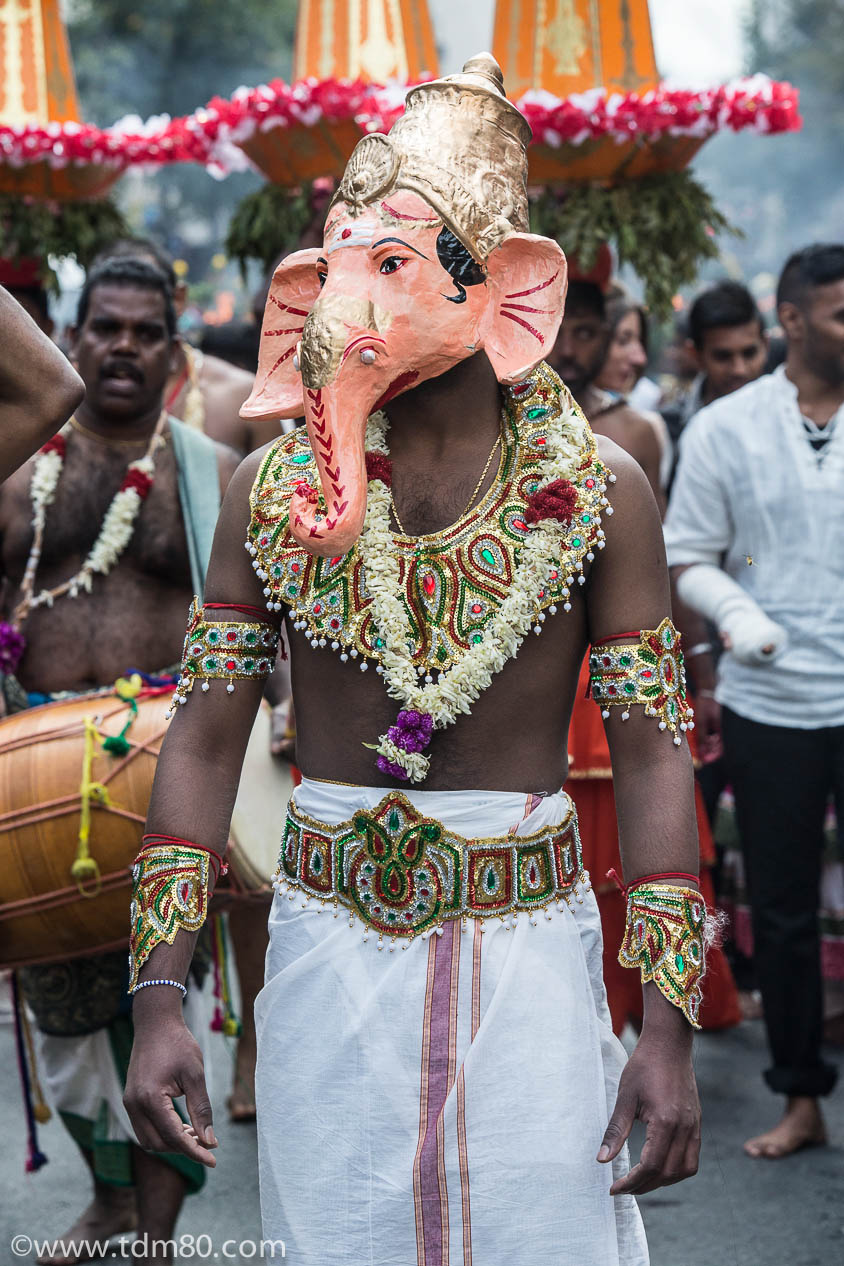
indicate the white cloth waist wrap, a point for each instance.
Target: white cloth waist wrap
{"x":442,"y":1101}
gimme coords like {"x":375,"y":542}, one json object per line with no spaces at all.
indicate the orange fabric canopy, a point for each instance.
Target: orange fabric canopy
{"x":374,"y":40}
{"x":36,"y":73}
{"x":567,"y":46}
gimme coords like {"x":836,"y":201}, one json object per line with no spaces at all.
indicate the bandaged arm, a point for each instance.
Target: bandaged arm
{"x":699,"y":530}
{"x":753,"y":637}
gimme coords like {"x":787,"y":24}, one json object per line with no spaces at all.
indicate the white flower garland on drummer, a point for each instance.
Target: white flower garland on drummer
{"x":115,"y":534}
{"x":435,"y":705}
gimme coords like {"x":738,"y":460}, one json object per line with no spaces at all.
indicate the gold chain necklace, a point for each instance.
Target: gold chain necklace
{"x":472,"y":499}
{"x":106,"y":439}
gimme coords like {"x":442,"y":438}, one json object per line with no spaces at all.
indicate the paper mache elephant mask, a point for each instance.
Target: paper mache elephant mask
{"x":426,"y":260}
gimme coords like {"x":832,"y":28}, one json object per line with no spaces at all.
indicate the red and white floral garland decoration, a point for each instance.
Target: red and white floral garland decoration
{"x":212,"y":134}
{"x":115,"y":533}
{"x":759,"y":103}
{"x":130,"y":142}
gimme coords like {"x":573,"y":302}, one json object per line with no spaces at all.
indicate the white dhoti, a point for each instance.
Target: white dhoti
{"x":442,"y":1102}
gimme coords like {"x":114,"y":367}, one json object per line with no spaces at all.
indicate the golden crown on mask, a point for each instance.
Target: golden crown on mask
{"x":462,"y":146}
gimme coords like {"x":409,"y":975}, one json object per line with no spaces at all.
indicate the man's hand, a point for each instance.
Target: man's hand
{"x":708,"y":727}
{"x":166,"y":1063}
{"x":657,"y":1087}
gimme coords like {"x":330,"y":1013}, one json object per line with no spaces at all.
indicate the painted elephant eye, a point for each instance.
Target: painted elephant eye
{"x":323,"y":276}
{"x":392,"y":264}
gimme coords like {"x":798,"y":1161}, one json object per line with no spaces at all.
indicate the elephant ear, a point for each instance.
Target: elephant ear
{"x":277,"y":392}
{"x":527,"y":278}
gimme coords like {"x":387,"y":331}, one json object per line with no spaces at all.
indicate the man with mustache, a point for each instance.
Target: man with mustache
{"x":127,"y":613}
{"x":755,"y":539}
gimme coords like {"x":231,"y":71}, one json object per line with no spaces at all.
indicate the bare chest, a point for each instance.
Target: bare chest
{"x":157,"y":547}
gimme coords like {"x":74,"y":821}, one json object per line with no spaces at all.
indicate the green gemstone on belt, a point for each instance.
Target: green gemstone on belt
{"x":300,"y":459}
{"x":537,"y":412}
{"x":394,"y":820}
{"x":488,"y":557}
{"x":576,"y":542}
{"x":679,"y":963}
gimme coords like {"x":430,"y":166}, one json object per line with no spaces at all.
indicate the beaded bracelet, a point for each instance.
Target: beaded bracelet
{"x":665,"y":937}
{"x":227,"y":650}
{"x":146,"y":984}
{"x":648,"y":671}
{"x":172,"y":880}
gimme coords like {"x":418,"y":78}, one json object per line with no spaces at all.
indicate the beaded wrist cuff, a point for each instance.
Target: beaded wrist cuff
{"x":665,"y":938}
{"x":171,"y":884}
{"x":228,"y":650}
{"x":650,"y":672}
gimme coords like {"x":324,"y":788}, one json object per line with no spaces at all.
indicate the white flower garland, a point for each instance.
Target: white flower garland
{"x":118,"y":526}
{"x":115,"y":534}
{"x":458,"y":687}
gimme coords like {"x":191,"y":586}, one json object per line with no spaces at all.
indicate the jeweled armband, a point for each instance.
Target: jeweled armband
{"x":665,"y":937}
{"x":228,"y":650}
{"x":171,"y":885}
{"x":649,"y":671}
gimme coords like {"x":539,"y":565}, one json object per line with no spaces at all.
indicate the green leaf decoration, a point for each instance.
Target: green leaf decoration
{"x":33,"y":229}
{"x":268,"y":223}
{"x":664,"y":226}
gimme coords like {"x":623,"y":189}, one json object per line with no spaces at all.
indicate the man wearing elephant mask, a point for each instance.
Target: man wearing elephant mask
{"x":451,"y":1096}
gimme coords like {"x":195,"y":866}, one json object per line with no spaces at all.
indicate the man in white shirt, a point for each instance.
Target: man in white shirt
{"x":727,"y":342}
{"x":755,"y":538}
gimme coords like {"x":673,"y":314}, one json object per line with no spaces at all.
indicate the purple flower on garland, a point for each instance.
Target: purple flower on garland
{"x":412,"y":730}
{"x":12,"y":647}
{"x":390,"y":768}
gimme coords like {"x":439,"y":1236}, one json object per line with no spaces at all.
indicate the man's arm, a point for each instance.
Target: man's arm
{"x":39,"y":388}
{"x":698,"y":531}
{"x":193,"y":796}
{"x":628,"y":592}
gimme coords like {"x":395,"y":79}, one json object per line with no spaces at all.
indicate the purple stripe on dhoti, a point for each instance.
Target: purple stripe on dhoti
{"x":434,"y":1196}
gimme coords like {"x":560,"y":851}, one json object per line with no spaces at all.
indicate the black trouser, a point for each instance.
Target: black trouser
{"x":782,"y":779}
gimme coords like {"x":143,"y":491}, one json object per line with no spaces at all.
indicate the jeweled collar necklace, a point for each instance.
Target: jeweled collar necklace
{"x":439,"y":615}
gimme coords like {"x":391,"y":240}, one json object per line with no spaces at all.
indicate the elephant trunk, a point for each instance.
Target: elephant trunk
{"x":339,"y":448}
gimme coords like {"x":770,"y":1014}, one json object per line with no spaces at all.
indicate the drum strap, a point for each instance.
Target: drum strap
{"x":199,"y":494}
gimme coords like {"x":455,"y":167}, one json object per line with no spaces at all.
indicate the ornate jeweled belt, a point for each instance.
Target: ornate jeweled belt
{"x":402,"y":873}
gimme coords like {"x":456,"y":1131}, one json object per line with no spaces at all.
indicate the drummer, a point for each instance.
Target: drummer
{"x":206,"y":392}
{"x":94,"y":550}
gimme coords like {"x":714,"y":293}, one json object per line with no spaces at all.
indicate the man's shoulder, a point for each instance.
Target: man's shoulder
{"x":219,"y":373}
{"x":277,"y":468}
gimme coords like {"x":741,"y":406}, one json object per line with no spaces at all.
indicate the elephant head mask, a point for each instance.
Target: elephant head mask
{"x":426,"y":260}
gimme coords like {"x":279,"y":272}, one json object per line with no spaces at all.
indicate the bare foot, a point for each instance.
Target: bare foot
{"x":750,"y":1004}
{"x":111,"y":1212}
{"x":241,"y":1101}
{"x":802,"y":1126}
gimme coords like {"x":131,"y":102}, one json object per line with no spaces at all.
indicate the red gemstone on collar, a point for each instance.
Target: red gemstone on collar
{"x":428,"y":583}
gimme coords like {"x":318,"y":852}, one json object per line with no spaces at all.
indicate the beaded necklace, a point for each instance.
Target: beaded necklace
{"x":453,"y":607}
